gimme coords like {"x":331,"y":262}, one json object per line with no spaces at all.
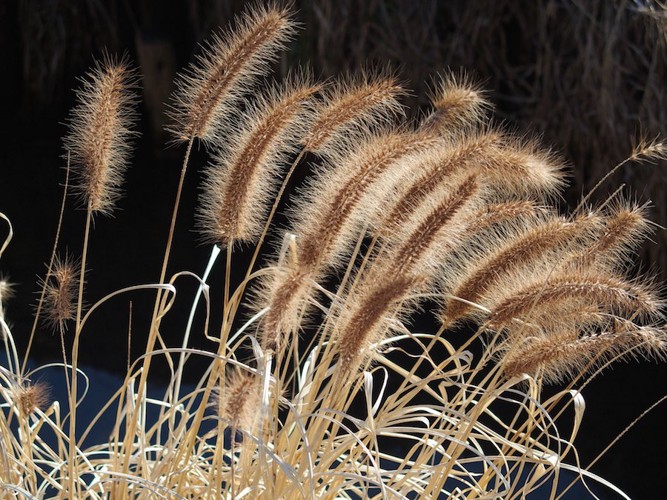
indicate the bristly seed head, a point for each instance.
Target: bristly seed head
{"x":31,"y":397}
{"x":225,"y":70}
{"x":459,"y":103}
{"x":242,"y":180}
{"x":100,"y":130}
{"x":352,"y":106}
{"x":60,"y":294}
{"x":238,"y":401}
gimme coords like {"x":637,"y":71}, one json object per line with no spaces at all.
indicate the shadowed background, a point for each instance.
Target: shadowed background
{"x":587,"y":75}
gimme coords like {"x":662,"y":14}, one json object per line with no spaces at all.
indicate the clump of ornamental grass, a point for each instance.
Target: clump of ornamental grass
{"x":450,"y":215}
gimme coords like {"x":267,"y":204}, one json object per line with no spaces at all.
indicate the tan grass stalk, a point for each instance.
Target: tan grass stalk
{"x":242,"y":180}
{"x":616,"y":295}
{"x":458,"y":102}
{"x":100,"y":129}
{"x":206,"y":93}
{"x":353,"y":105}
{"x":519,"y":251}
{"x":557,"y":356}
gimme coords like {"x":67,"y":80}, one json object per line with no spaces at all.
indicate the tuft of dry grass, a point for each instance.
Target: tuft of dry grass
{"x":448,"y":212}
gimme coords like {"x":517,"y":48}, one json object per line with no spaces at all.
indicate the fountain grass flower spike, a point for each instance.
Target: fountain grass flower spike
{"x":315,"y":383}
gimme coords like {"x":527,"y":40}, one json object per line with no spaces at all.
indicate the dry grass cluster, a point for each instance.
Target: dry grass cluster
{"x":447,"y":211}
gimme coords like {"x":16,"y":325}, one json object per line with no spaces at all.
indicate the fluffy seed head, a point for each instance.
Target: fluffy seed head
{"x":31,"y":397}
{"x":286,"y":293}
{"x":242,"y":180}
{"x":520,"y":167}
{"x":60,"y":294}
{"x":100,"y":129}
{"x":332,"y":214}
{"x":440,"y":166}
{"x":458,"y":102}
{"x":518,"y":251}
{"x":226,"y":69}
{"x":558,"y":356}
{"x":499,"y":213}
{"x":623,"y":230}
{"x":436,"y":229}
{"x":543,"y":299}
{"x":238,"y":401}
{"x":353,"y":105}
{"x":365,"y":317}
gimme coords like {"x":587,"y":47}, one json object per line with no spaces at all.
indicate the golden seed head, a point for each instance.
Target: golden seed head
{"x":60,"y":294}
{"x":353,"y":106}
{"x":225,"y":70}
{"x":239,"y":400}
{"x":31,"y":397}
{"x":458,"y":103}
{"x":100,"y":129}
{"x":242,"y":181}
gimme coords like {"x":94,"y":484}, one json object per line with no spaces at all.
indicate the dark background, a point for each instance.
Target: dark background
{"x":586,"y":75}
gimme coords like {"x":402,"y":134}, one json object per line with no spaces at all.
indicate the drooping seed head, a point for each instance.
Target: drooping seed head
{"x":346,"y":192}
{"x":561,"y":355}
{"x":225,"y":70}
{"x":242,"y":180}
{"x":352,"y":106}
{"x":458,"y":103}
{"x":543,"y":299}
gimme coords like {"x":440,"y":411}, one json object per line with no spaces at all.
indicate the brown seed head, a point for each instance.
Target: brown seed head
{"x":543,"y":299}
{"x":226,"y":69}
{"x":287,"y":294}
{"x":517,"y":252}
{"x":522,"y":168}
{"x":60,"y":294}
{"x":363,"y":321}
{"x":31,"y":397}
{"x":558,"y":356}
{"x":352,"y":106}
{"x":459,"y":103}
{"x":332,"y":215}
{"x":242,"y":180}
{"x":239,"y":400}
{"x":440,"y":166}
{"x":99,"y":134}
